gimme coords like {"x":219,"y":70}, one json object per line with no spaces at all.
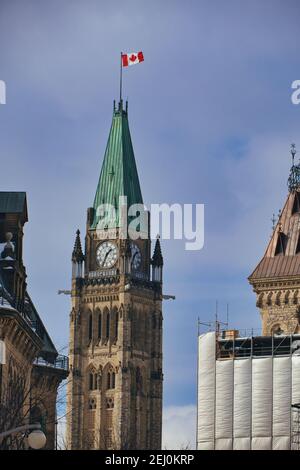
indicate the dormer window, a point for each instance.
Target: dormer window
{"x":296,"y":204}
{"x":298,"y":245}
{"x":281,"y":244}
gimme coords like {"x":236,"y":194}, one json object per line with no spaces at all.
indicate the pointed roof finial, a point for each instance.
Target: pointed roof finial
{"x":293,"y":152}
{"x":273,"y":220}
{"x":157,"y":259}
{"x":77,"y":254}
{"x":294,"y":178}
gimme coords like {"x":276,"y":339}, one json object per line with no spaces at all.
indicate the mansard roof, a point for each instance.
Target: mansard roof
{"x":119,"y":176}
{"x":282,"y":257}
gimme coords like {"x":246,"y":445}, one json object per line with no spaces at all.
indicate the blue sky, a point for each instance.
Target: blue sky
{"x":211,"y":121}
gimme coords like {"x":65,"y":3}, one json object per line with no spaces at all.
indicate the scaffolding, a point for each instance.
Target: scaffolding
{"x":234,"y":346}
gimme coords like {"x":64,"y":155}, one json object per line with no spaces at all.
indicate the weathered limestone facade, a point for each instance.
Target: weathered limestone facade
{"x":30,"y":371}
{"x":276,"y":279}
{"x":115,"y":349}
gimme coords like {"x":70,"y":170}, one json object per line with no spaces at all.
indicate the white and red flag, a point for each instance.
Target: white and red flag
{"x":132,"y":58}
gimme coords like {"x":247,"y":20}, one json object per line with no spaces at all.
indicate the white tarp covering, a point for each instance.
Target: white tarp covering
{"x":261,"y":397}
{"x":206,"y":391}
{"x":245,"y":403}
{"x":242,"y":400}
{"x":224,"y":400}
{"x":295,"y":389}
{"x":282,"y":376}
{"x":241,"y":443}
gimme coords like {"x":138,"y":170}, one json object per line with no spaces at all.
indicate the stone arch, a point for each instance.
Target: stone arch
{"x":276,"y":329}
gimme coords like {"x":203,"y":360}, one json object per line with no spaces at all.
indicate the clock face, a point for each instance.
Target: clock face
{"x":107,"y":254}
{"x":136,"y":257}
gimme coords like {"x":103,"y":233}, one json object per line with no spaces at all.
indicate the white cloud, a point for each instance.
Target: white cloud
{"x":179,"y":427}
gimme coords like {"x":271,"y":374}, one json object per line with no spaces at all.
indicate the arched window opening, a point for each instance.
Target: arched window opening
{"x":116,"y":325}
{"x":91,"y":381}
{"x":110,"y":403}
{"x":107,"y":326}
{"x":90,"y":327}
{"x":92,"y":404}
{"x":99,"y":325}
{"x":111,"y":380}
{"x":276,"y":330}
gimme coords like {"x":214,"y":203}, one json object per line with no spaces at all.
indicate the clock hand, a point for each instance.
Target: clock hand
{"x":106,"y":256}
{"x":133,"y":258}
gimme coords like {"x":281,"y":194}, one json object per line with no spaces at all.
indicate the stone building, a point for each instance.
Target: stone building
{"x":115,"y":350}
{"x":276,"y":279}
{"x":31,"y":369}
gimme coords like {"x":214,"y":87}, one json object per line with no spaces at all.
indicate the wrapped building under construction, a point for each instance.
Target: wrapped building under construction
{"x":246,"y":390}
{"x":249,"y":387}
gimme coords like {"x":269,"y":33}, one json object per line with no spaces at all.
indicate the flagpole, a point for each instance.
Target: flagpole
{"x":121,"y":78}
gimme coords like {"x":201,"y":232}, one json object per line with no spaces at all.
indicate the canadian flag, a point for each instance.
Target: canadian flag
{"x":132,"y":58}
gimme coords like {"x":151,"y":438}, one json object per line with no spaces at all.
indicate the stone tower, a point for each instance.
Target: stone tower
{"x":276,"y":279}
{"x":115,"y":348}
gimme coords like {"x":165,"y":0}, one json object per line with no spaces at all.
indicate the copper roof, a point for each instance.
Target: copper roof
{"x":282,"y":257}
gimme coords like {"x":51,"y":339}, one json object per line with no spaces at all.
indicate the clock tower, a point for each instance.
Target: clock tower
{"x":114,"y":397}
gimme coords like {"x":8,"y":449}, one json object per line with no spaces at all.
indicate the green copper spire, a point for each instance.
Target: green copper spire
{"x":118,"y":175}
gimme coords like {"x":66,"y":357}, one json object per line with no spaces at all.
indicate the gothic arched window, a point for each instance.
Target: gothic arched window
{"x":99,"y":325}
{"x":107,"y":325}
{"x":92,"y":404}
{"x":116,"y":324}
{"x":90,"y":328}
{"x":91,"y":381}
